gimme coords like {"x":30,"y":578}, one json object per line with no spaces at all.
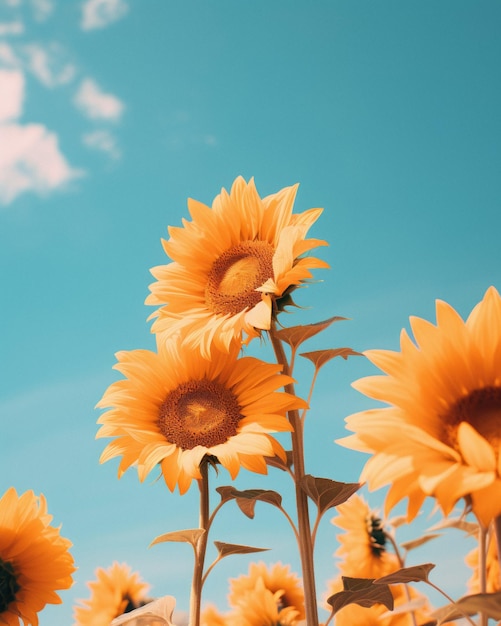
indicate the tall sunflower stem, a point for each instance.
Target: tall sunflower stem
{"x":201,"y":546}
{"x":401,"y":563}
{"x":303,"y":517}
{"x":497,"y":530}
{"x":482,"y":567}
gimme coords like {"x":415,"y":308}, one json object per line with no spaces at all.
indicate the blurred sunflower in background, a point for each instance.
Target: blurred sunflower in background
{"x":231,"y":266}
{"x":34,"y":559}
{"x":441,"y":434}
{"x":175,"y":408}
{"x":115,"y":591}
{"x":492,"y":568}
{"x":364,"y":542}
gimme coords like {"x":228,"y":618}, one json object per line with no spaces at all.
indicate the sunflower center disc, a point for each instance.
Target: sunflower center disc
{"x":8,"y":585}
{"x":377,"y":536}
{"x":482,"y":409}
{"x":235,"y":275}
{"x":199,"y":413}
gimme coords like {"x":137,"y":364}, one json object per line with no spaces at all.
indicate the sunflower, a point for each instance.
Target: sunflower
{"x":212,"y":617}
{"x":115,"y":591}
{"x":493,"y":570}
{"x":34,"y":558}
{"x":175,"y":408}
{"x":260,"y":606}
{"x":231,"y":264}
{"x":276,"y":578}
{"x":441,"y":434}
{"x":363,"y":544}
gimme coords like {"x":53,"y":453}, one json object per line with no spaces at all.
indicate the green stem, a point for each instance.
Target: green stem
{"x":201,"y":547}
{"x":497,"y":530}
{"x":303,"y":518}
{"x":482,"y":567}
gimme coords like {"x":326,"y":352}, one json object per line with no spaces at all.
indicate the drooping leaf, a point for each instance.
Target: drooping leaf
{"x":471,"y":528}
{"x":321,"y":357}
{"x":246,"y":499}
{"x":406,"y":607}
{"x":327,"y":493}
{"x":191,"y":535}
{"x":296,"y":335}
{"x":225,"y":549}
{"x":361,"y":591}
{"x":414,"y":574}
{"x":276,"y":461}
{"x":415,"y":543}
{"x":487,"y":603}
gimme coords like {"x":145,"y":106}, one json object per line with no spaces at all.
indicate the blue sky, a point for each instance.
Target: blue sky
{"x":114,"y":112}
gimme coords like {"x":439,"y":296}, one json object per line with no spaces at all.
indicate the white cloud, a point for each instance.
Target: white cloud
{"x":104,"y":141}
{"x":100,"y":13}
{"x":11,"y":94}
{"x":48,"y":65}
{"x":11,"y":28}
{"x":30,"y":160}
{"x":96,"y":104}
{"x":42,"y":9}
{"x":8,"y":57}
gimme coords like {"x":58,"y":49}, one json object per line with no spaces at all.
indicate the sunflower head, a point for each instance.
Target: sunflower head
{"x":176,"y":409}
{"x":276,"y":578}
{"x":115,"y":591}
{"x":363,"y":544}
{"x":441,"y":433}
{"x":232,"y":265}
{"x":34,"y":559}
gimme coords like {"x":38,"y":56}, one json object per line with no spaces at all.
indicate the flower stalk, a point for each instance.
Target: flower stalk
{"x":201,"y":545}
{"x":303,"y":518}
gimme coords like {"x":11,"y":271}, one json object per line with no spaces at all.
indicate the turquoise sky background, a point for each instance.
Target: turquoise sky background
{"x":114,"y":112}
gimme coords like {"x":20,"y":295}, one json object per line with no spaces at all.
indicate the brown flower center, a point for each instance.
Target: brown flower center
{"x":235,"y":275}
{"x":481,"y":408}
{"x":8,"y":585}
{"x":377,"y":536}
{"x":199,"y":413}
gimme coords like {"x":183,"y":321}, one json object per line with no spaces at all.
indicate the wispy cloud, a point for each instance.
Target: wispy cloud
{"x":42,"y":9}
{"x":104,"y":141}
{"x":11,"y":28}
{"x":48,"y":64}
{"x":30,"y":158}
{"x":96,"y":104}
{"x":101,"y":13}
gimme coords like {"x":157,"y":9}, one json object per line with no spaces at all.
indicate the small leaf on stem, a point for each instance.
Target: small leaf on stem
{"x":225,"y":549}
{"x":415,"y":543}
{"x":414,"y":574}
{"x":487,"y":603}
{"x":191,"y":535}
{"x":321,"y":357}
{"x":361,"y":591}
{"x":327,"y":493}
{"x":295,"y":335}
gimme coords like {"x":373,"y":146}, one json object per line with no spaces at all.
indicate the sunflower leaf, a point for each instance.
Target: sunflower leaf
{"x":276,"y":461}
{"x":361,"y":591}
{"x":225,"y":549}
{"x":414,"y":574}
{"x":488,"y":603}
{"x":295,"y":335}
{"x":321,"y":357}
{"x":246,"y":499}
{"x":471,"y":528}
{"x":191,"y":535}
{"x":327,"y":493}
{"x":415,"y":543}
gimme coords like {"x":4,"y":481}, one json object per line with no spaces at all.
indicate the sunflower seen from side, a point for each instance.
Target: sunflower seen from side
{"x":35,"y":561}
{"x":174,"y":408}
{"x":231,"y":266}
{"x":364,"y":542}
{"x":440,"y":436}
{"x":115,"y":591}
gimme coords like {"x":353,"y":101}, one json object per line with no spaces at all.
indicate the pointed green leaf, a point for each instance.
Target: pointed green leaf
{"x":361,"y":591}
{"x":327,"y":493}
{"x":414,"y":574}
{"x":225,"y":549}
{"x":321,"y":357}
{"x":415,"y":543}
{"x":296,"y":335}
{"x":488,"y":603}
{"x":191,"y":535}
